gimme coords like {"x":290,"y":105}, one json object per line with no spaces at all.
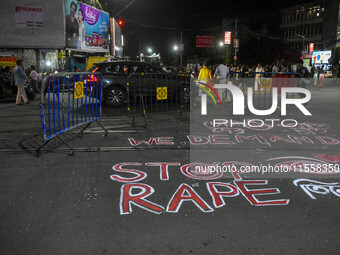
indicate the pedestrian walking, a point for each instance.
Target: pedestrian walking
{"x":275,"y":69}
{"x":284,"y":69}
{"x":258,"y":75}
{"x":321,"y":75}
{"x":142,"y":56}
{"x":222,"y":71}
{"x":34,"y":77}
{"x":204,"y":77}
{"x":19,"y":78}
{"x":312,"y":71}
{"x":305,"y":75}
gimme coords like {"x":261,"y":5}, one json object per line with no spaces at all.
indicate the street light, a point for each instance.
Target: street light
{"x":175,"y":48}
{"x":221,"y":44}
{"x":303,"y":42}
{"x":149,"y":50}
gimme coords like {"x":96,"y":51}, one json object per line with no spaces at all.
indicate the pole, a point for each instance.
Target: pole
{"x":37,"y":58}
{"x":225,"y":53}
{"x":235,"y":41}
{"x":181,"y":48}
{"x":303,"y":45}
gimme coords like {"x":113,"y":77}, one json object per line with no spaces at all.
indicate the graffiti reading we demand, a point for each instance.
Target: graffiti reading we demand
{"x":137,"y":194}
{"x":224,"y":134}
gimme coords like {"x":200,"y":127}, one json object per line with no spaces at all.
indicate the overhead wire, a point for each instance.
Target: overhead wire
{"x":127,"y":6}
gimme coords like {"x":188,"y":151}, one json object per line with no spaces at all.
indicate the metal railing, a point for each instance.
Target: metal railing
{"x":68,"y":101}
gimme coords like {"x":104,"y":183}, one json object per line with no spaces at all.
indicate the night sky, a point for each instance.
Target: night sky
{"x":156,"y":24}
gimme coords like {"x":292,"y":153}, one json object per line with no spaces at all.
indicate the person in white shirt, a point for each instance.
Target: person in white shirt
{"x":274,"y":69}
{"x":259,"y":69}
{"x":142,"y":57}
{"x":222,"y":72}
{"x":34,"y":76}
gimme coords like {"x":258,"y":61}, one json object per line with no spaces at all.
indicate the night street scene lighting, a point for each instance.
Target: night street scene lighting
{"x":169,"y":127}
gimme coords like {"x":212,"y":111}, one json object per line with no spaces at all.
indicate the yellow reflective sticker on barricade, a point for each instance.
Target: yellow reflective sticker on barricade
{"x":162,"y":93}
{"x":78,"y":89}
{"x":266,"y":83}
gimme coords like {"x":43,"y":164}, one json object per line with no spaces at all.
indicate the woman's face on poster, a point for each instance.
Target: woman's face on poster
{"x":80,"y":16}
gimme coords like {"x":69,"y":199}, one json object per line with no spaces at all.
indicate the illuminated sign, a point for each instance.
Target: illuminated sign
{"x":321,"y":57}
{"x":203,"y":41}
{"x":311,"y":48}
{"x":227,"y":37}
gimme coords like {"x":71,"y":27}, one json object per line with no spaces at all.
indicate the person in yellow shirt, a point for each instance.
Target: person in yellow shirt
{"x":205,"y":74}
{"x":204,"y":77}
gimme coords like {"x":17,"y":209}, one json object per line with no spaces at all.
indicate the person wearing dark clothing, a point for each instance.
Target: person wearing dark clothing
{"x":305,"y":76}
{"x":72,"y":30}
{"x":313,"y":71}
{"x":303,"y":70}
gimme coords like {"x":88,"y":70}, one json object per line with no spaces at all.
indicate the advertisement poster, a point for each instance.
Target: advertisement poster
{"x":311,"y":48}
{"x":203,"y":41}
{"x":321,"y":57}
{"x":227,"y":37}
{"x":339,"y":22}
{"x":87,"y":28}
{"x":116,"y":38}
{"x":29,"y":16}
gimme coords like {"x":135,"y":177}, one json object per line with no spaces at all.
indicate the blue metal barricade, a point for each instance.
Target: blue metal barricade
{"x":70,"y":100}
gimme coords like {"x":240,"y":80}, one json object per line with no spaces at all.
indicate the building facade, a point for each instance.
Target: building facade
{"x":313,"y":22}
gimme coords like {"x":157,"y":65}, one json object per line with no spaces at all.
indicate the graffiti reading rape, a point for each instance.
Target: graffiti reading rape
{"x":137,"y":194}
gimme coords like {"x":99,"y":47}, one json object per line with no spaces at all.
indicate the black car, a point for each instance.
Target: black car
{"x":123,"y":78}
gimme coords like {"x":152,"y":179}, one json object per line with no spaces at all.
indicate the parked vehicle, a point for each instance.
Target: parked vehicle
{"x":328,"y":74}
{"x":143,"y":78}
{"x":9,"y":90}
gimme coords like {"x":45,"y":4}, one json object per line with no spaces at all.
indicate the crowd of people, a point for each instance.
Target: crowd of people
{"x":317,"y":73}
{"x":222,"y":73}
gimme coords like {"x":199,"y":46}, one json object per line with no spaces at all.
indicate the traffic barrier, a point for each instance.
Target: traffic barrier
{"x":157,"y":93}
{"x":68,"y":101}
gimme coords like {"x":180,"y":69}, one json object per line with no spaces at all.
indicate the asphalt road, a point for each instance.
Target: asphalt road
{"x":61,"y":204}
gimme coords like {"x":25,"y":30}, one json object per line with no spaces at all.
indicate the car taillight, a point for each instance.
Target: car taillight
{"x":92,"y":76}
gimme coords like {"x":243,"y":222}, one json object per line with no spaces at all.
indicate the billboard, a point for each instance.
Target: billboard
{"x":339,"y":23}
{"x":321,"y":57}
{"x":116,"y":39}
{"x":227,"y":37}
{"x":311,"y":48}
{"x":29,"y":16}
{"x":87,"y":28}
{"x":204,"y":41}
{"x":32,"y":24}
